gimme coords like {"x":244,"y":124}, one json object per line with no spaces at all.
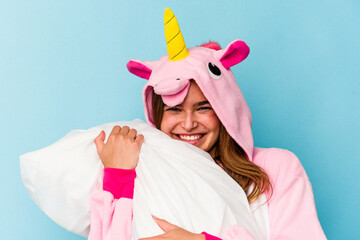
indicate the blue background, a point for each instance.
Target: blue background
{"x":62,"y":67}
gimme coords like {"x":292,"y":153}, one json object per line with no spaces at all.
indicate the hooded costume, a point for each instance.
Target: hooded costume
{"x":291,"y":208}
{"x":210,"y":69}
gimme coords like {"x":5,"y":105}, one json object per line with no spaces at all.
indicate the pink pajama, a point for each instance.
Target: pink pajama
{"x":292,"y":212}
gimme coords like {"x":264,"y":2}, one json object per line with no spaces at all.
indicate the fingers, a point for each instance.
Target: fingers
{"x":140,"y":139}
{"x":164,"y":225}
{"x":124,"y":130}
{"x":115,"y":132}
{"x":99,"y":142}
{"x":132,"y":134}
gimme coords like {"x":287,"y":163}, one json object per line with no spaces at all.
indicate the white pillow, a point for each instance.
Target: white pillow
{"x":175,"y":181}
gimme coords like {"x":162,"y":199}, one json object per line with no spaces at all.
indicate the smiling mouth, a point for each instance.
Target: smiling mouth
{"x":190,"y":137}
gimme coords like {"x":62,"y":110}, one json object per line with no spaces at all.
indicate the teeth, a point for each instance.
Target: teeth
{"x":190,"y":137}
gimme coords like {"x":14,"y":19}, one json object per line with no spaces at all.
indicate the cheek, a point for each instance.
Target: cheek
{"x":167,"y":124}
{"x":213,"y":122}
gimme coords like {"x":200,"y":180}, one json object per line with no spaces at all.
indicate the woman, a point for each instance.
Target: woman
{"x":195,"y":122}
{"x":192,"y":96}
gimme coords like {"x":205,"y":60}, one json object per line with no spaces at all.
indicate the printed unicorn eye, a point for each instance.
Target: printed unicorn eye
{"x":214,"y":71}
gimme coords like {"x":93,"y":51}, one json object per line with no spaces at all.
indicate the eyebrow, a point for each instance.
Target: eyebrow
{"x":195,"y":105}
{"x":201,"y":103}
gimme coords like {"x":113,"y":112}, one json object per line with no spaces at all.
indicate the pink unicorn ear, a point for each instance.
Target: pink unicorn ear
{"x":139,"y":68}
{"x":233,"y":54}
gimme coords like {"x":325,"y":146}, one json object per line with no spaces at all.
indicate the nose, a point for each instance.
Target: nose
{"x":189,"y":122}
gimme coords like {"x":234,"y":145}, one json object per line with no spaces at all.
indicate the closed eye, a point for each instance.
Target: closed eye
{"x":175,"y":109}
{"x":205,"y":108}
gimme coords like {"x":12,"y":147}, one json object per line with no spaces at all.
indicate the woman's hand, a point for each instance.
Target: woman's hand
{"x":121,"y":149}
{"x":173,"y":232}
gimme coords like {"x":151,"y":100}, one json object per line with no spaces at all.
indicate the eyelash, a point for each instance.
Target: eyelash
{"x":178,"y":109}
{"x":173,"y":109}
{"x":205,"y":108}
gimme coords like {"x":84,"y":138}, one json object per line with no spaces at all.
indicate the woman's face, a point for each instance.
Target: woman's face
{"x":194,"y":121}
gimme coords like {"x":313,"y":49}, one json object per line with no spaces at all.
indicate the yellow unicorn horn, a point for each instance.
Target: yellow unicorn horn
{"x":176,"y":47}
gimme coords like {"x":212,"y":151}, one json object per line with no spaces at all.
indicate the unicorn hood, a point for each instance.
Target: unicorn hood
{"x":170,"y":77}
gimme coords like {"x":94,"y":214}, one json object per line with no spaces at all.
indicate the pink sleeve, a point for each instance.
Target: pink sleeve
{"x":292,"y":212}
{"x":111,"y":208}
{"x":234,"y":233}
{"x":210,"y":237}
{"x":119,"y":182}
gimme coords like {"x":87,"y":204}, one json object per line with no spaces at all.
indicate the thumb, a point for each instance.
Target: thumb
{"x":164,"y":225}
{"x":99,"y":142}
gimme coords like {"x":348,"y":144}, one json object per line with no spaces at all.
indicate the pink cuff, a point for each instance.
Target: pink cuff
{"x":119,"y":182}
{"x":210,"y":237}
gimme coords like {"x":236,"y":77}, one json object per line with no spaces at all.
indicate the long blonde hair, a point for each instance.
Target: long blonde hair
{"x":230,"y":156}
